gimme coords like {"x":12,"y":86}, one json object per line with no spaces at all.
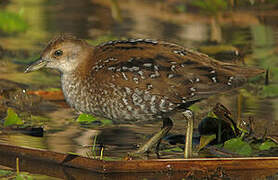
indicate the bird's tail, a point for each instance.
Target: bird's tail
{"x":246,"y":72}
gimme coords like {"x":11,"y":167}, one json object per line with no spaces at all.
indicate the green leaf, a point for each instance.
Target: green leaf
{"x":106,"y":122}
{"x":12,"y":118}
{"x":267,"y":145}
{"x":270,"y":90}
{"x":12,"y":22}
{"x":194,"y":108}
{"x":212,"y":115}
{"x":5,"y":173}
{"x":86,"y":118}
{"x":238,"y":146}
{"x":23,"y":176}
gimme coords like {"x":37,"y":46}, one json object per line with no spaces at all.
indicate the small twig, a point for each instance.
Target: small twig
{"x":17,"y":165}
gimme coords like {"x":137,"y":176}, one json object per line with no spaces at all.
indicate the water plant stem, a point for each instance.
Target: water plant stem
{"x":189,"y":133}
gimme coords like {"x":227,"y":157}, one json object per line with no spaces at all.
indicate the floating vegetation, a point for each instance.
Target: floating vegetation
{"x":238,"y":146}
{"x":89,"y":119}
{"x":12,"y":118}
{"x":233,"y":139}
{"x":8,"y":174}
{"x":267,"y":145}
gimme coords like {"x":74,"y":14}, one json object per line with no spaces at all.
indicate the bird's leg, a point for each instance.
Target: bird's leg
{"x":167,"y":126}
{"x":167,"y":123}
{"x":189,"y":134}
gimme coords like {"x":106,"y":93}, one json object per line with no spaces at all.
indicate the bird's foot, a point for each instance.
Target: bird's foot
{"x":167,"y":125}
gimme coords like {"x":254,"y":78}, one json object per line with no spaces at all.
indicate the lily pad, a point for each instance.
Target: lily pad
{"x":86,"y":118}
{"x":267,"y":145}
{"x":106,"y":121}
{"x":238,"y":146}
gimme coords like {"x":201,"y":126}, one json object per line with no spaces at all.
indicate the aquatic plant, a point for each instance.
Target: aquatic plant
{"x":211,"y":6}
{"x":12,"y":22}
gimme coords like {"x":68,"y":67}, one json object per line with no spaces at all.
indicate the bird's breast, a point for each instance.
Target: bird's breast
{"x":121,"y":104}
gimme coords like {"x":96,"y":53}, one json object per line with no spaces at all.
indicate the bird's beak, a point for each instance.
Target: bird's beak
{"x":38,"y":64}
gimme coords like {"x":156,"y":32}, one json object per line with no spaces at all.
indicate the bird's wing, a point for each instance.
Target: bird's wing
{"x":164,"y":69}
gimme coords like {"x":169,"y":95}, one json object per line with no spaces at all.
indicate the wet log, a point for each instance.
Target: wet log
{"x":155,"y":165}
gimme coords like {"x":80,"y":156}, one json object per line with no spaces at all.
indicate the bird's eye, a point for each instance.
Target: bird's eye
{"x":58,"y":53}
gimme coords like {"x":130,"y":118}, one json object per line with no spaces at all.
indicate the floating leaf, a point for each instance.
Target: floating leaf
{"x":270,"y":90}
{"x":12,"y":118}
{"x":267,"y":145}
{"x":238,"y":146}
{"x":5,"y":173}
{"x":86,"y":118}
{"x":106,"y":122}
{"x":23,"y":176}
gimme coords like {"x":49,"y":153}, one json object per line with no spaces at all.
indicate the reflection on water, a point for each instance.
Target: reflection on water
{"x":253,"y":33}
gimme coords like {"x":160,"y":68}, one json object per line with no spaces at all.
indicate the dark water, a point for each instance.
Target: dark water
{"x":253,"y":30}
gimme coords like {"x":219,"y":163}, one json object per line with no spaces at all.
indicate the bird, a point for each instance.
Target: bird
{"x":137,"y":80}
